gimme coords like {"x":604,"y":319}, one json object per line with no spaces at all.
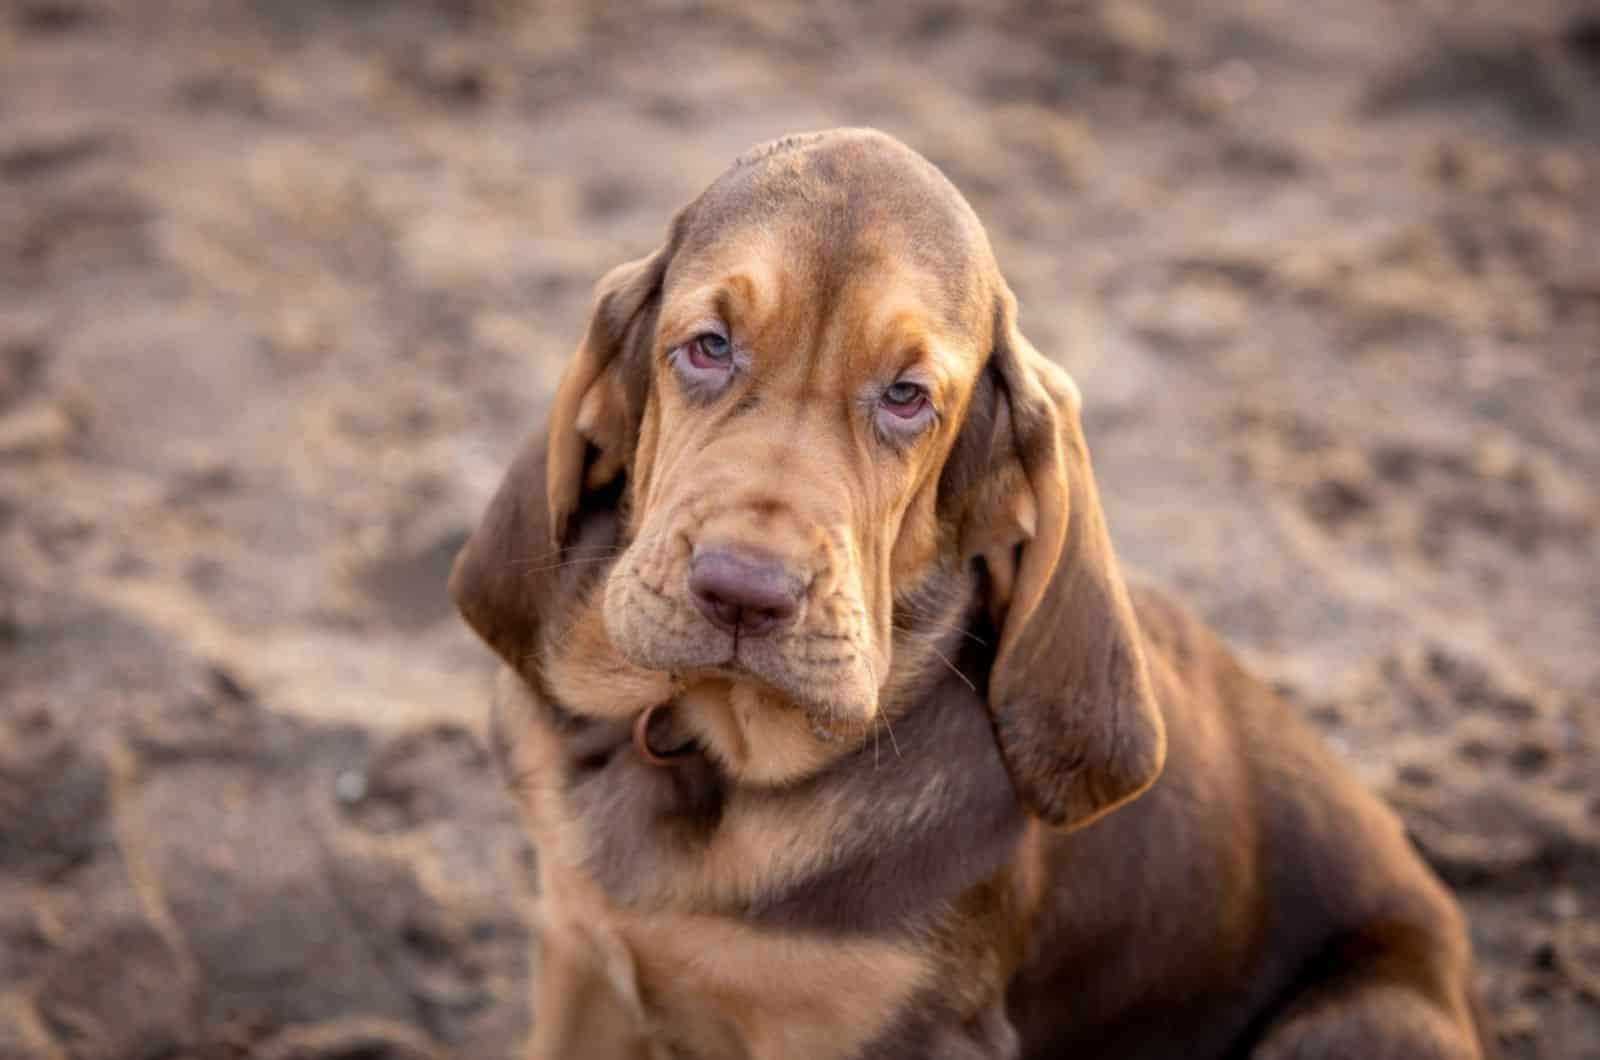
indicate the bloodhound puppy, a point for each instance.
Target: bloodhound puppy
{"x":836,"y":726}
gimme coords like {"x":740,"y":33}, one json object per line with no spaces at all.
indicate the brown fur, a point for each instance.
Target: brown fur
{"x":979,"y":800}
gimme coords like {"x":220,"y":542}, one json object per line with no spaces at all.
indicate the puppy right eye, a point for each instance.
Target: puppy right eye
{"x":705,"y":362}
{"x":710,"y":350}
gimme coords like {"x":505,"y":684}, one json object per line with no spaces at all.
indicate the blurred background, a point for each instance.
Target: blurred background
{"x":284,"y":282}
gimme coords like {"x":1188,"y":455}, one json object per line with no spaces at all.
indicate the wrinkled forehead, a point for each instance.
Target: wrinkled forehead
{"x":837,"y":215}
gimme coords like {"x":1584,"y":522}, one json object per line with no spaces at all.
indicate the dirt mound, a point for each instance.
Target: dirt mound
{"x":185,"y":870}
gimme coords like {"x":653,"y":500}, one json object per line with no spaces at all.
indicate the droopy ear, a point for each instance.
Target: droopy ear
{"x":1076,"y":720}
{"x":508,"y":582}
{"x":515,"y":573}
{"x":594,"y":421}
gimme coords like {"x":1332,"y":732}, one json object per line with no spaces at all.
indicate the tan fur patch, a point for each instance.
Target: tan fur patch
{"x":755,"y":736}
{"x":722,"y":989}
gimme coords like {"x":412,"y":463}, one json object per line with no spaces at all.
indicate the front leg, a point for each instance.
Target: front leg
{"x":586,"y":1000}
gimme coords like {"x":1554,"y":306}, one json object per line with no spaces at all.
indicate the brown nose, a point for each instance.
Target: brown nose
{"x":746,"y":593}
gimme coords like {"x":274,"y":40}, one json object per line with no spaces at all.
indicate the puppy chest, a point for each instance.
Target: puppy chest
{"x":718,"y":988}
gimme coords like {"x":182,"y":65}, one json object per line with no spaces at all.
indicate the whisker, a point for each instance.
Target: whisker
{"x":530,"y":569}
{"x":614,"y":547}
{"x":892,"y":741}
{"x":952,"y":668}
{"x":576,"y":551}
{"x":979,"y":641}
{"x":932,"y":622}
{"x":580,"y":550}
{"x":942,"y":657}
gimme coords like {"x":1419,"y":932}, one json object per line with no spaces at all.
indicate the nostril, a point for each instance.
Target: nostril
{"x":755,"y":621}
{"x":744,"y":592}
{"x":727,"y":614}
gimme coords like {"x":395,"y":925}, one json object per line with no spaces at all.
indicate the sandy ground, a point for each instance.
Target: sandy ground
{"x":282,"y":283}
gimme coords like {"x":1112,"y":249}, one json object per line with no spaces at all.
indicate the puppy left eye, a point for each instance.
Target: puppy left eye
{"x":904,"y":399}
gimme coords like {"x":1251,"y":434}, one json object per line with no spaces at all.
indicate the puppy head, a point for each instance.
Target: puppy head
{"x":816,"y":401}
{"x":781,"y":383}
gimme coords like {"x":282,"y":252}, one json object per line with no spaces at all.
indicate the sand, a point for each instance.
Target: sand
{"x":283,"y":283}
